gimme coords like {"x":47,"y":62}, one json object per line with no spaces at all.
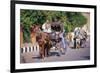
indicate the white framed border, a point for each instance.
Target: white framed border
{"x":51,"y":64}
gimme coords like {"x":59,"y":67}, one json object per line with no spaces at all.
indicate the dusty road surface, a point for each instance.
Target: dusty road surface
{"x":70,"y":55}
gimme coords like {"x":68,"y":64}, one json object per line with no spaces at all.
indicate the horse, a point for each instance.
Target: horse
{"x":44,"y":42}
{"x":35,"y":29}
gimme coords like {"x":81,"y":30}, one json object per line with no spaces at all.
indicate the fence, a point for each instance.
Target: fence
{"x":26,"y":49}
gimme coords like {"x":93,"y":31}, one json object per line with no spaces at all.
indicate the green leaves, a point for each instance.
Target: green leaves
{"x":76,"y":19}
{"x":38,"y":17}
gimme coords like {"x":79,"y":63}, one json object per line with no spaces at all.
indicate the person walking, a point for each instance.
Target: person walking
{"x":76,"y":35}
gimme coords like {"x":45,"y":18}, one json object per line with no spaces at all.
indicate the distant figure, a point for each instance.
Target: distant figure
{"x":70,"y":39}
{"x":83,"y":37}
{"x":77,"y":32}
{"x":63,"y":39}
{"x":76,"y":37}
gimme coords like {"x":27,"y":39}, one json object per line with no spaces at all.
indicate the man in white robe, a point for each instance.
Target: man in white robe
{"x":46,"y":27}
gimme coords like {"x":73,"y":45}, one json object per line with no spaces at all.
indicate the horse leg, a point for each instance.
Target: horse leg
{"x":46,"y":51}
{"x":41,"y":53}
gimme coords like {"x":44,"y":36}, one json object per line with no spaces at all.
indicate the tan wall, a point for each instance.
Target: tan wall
{"x":21,"y":39}
{"x":87,"y":25}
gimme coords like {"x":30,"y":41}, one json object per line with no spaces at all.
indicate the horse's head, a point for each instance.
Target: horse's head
{"x":35,"y":28}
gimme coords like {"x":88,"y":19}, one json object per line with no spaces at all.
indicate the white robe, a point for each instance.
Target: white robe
{"x":48,"y":29}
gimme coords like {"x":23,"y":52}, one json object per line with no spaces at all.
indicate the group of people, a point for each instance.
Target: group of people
{"x":56,"y":31}
{"x":52,"y":36}
{"x":80,"y":37}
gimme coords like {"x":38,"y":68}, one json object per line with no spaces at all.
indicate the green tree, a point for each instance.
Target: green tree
{"x":38,"y":17}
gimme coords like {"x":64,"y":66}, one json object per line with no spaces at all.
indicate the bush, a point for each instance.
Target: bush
{"x":31,"y":17}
